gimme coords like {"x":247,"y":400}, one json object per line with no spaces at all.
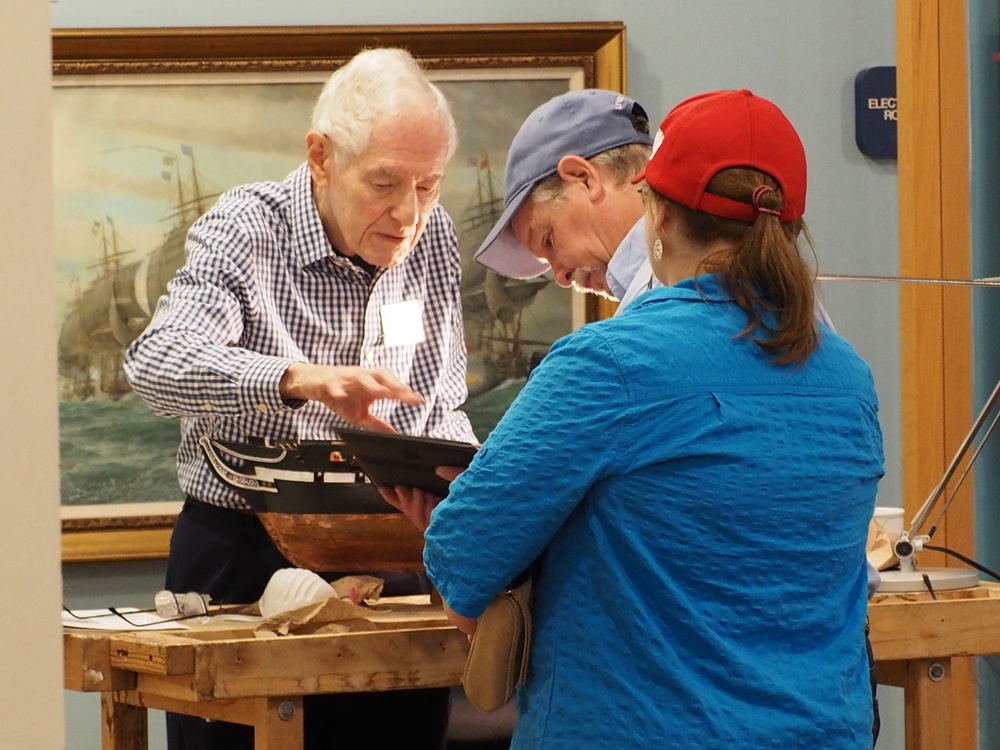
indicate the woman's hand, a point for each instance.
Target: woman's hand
{"x":466,"y":624}
{"x":413,"y":503}
{"x":417,"y":504}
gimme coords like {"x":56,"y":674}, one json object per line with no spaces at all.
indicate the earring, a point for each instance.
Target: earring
{"x":657,"y":250}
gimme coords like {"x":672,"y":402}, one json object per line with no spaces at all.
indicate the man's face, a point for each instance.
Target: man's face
{"x":566,"y":234}
{"x":376,"y":207}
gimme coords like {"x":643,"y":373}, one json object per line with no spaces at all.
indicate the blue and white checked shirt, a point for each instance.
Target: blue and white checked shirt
{"x":261,"y":288}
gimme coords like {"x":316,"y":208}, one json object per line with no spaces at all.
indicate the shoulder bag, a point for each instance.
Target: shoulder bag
{"x":498,"y":656}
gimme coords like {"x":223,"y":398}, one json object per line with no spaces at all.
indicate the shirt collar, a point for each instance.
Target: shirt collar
{"x":308,"y":241}
{"x":630,"y":256}
{"x":703,"y":288}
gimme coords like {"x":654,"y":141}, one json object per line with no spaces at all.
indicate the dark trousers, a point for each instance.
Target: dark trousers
{"x":876,"y":719}
{"x":228,"y":555}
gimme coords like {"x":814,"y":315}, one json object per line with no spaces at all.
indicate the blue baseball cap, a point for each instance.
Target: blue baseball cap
{"x":580,"y":123}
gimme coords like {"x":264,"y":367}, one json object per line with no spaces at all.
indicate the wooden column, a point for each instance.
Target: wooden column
{"x":934,"y":241}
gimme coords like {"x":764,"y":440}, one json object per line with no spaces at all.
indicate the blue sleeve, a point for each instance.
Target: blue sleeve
{"x":555,"y":441}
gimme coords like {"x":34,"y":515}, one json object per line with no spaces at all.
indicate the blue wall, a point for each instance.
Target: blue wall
{"x":804,"y":54}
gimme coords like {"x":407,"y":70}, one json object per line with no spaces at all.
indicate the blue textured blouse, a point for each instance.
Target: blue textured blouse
{"x":700,"y":516}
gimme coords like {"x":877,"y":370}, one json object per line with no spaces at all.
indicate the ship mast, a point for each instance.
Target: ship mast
{"x":189,"y":152}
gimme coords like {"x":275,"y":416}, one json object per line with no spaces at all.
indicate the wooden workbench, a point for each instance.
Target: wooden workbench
{"x":233,"y":676}
{"x":915,"y":639}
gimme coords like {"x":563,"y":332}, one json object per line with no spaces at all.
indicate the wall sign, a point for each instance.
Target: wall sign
{"x":875,"y":112}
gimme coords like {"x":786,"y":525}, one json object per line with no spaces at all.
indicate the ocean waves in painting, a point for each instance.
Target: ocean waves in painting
{"x":116,"y":452}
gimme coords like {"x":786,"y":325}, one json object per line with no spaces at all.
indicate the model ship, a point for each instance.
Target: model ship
{"x":317,"y":505}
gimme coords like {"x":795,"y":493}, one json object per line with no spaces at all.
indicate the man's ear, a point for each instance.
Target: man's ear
{"x":577,"y":170}
{"x":319,"y":151}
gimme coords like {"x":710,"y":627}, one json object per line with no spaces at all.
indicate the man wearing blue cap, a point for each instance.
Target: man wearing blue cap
{"x":569,"y":204}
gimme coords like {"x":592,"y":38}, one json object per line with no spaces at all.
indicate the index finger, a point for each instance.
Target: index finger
{"x":398,"y":389}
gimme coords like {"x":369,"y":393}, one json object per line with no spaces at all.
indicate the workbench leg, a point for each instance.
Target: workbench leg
{"x":278,"y":724}
{"x":927,"y":694}
{"x":123,"y":727}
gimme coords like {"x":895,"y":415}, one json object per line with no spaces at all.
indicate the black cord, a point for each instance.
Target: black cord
{"x":114,"y":612}
{"x":966,"y":560}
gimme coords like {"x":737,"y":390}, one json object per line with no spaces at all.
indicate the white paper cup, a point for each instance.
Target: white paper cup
{"x":890,"y":519}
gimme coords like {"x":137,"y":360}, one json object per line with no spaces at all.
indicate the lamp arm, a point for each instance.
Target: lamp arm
{"x":961,"y":479}
{"x":909,"y":542}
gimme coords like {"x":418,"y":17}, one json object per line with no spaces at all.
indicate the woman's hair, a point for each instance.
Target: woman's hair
{"x":762,"y":268}
{"x":383,"y":82}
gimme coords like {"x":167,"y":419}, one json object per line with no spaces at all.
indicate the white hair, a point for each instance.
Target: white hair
{"x":375,"y":83}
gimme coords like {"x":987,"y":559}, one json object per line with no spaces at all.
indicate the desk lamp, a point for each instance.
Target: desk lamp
{"x":911,"y":577}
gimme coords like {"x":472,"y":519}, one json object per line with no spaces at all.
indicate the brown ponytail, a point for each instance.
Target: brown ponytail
{"x":762,"y":269}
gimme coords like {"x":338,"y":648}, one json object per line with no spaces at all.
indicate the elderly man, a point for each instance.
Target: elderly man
{"x":329,"y":298}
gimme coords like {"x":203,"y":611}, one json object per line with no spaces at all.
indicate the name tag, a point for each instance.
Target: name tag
{"x":403,"y":323}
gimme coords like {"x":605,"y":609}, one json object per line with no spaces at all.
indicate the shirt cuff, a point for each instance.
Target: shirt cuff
{"x":258,"y":386}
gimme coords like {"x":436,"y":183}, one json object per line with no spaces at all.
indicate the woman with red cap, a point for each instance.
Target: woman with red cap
{"x":694,"y":478}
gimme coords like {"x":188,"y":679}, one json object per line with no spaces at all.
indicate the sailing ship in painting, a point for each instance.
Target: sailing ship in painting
{"x":118,"y":303}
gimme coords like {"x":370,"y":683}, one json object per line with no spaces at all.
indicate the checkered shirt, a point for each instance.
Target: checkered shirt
{"x":261,"y":288}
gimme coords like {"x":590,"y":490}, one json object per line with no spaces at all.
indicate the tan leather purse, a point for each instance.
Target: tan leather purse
{"x":498,"y":657}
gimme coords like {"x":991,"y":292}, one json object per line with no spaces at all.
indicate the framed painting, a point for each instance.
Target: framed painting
{"x":151,"y":125}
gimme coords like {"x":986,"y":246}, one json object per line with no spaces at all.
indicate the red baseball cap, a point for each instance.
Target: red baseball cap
{"x":710,"y":132}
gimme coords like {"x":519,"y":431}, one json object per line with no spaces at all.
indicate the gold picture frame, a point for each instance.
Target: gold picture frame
{"x":594,"y":53}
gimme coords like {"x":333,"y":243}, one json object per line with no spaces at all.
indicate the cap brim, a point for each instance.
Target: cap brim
{"x":501,"y":252}
{"x":639,"y":177}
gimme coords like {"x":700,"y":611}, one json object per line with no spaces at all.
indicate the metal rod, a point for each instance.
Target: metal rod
{"x":993,"y":281}
{"x":961,"y":479}
{"x":925,"y":509}
{"x":904,"y":548}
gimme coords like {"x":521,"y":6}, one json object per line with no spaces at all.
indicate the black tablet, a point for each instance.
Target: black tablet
{"x":391,"y":460}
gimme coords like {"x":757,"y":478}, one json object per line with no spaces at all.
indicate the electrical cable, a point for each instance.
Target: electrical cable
{"x":966,"y":560}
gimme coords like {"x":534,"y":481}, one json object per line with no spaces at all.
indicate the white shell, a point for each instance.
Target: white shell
{"x":291,"y":588}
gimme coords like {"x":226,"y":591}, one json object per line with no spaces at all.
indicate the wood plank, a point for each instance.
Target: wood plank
{"x":936,"y":335}
{"x":171,"y":687}
{"x":959,"y":523}
{"x":921,"y":306}
{"x":123,"y":727}
{"x":945,"y":628}
{"x":152,"y":652}
{"x":115,"y":545}
{"x":891,"y":673}
{"x":237,"y":711}
{"x":494,"y":44}
{"x":956,"y":243}
{"x":279,"y":724}
{"x":350,"y":662}
{"x":928,"y":703}
{"x":86,"y":662}
{"x":307,"y":664}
